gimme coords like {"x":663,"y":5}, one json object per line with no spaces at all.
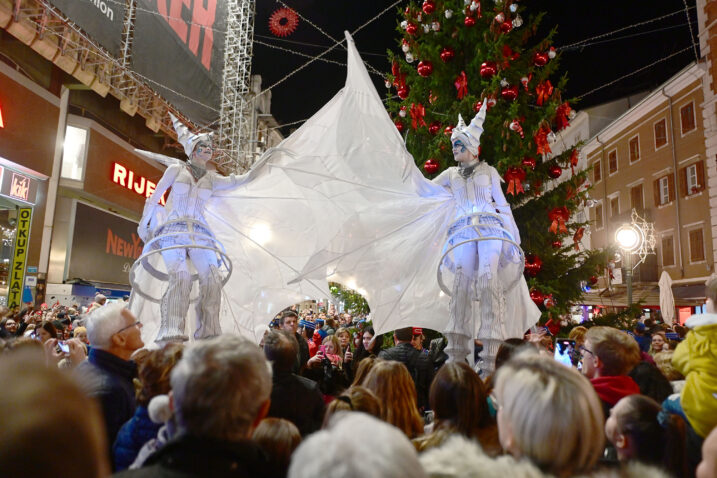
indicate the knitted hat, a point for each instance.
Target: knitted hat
{"x":306,"y":324}
{"x":322,"y":333}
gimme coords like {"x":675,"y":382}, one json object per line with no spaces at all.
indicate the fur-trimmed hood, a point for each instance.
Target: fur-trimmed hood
{"x":459,"y":457}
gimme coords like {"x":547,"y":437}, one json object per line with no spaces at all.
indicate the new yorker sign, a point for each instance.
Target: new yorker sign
{"x":104,"y":246}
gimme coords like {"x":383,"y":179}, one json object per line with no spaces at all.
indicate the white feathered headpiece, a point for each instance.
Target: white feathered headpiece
{"x":470,"y":135}
{"x":188,"y":139}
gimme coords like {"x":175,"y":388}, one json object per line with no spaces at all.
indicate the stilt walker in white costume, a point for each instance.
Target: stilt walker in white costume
{"x":180,"y":233}
{"x":475,"y":258}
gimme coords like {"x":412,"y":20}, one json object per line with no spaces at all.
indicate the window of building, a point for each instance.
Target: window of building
{"x":668,"y":251}
{"x":597,"y":173}
{"x":692,"y":183}
{"x":634,"y":149}
{"x":636,"y":200}
{"x":664,"y":189}
{"x":697,"y":249}
{"x":687,"y":117}
{"x":74,"y":153}
{"x":614,"y":206}
{"x":692,"y":178}
{"x":660,"y":133}
{"x":598,"y":217}
{"x":612,"y":161}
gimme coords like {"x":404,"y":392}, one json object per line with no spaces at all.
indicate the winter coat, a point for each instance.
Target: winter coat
{"x":696,"y":359}
{"x":132,"y":437}
{"x":418,"y":365}
{"x":610,"y":389}
{"x":298,"y":400}
{"x":459,"y":457}
{"x":188,"y":456}
{"x":108,"y":379}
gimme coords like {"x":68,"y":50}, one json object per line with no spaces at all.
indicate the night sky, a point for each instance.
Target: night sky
{"x":594,"y":64}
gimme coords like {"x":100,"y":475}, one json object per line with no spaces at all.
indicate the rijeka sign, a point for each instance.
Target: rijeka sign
{"x":127,"y":178}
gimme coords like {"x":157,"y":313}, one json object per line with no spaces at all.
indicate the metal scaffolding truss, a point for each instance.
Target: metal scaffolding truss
{"x":235,"y":121}
{"x":46,"y":30}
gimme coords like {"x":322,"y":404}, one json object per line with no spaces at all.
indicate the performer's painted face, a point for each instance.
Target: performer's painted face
{"x":202,"y":153}
{"x":461,"y":153}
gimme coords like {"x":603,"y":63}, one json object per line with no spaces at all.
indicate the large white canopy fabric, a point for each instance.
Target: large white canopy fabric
{"x":667,"y":299}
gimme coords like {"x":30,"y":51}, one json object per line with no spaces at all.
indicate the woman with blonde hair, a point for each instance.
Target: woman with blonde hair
{"x":393,"y":385}
{"x":550,"y":415}
{"x":354,"y":399}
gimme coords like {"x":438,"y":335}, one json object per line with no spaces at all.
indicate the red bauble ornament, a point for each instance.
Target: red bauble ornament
{"x":529,"y":162}
{"x":506,"y":27}
{"x":557,"y":244}
{"x":555,"y":171}
{"x":540,"y":59}
{"x":488,"y":69}
{"x":500,"y":18}
{"x":434,"y":128}
{"x":469,"y":21}
{"x":549,"y":301}
{"x":429,"y":6}
{"x":537,"y":297}
{"x":411,"y":28}
{"x":533,"y":265}
{"x":593,"y":280}
{"x":448,"y":130}
{"x":431,"y":166}
{"x":403,"y":91}
{"x":425,"y":68}
{"x":399,"y":125}
{"x":447,"y":54}
{"x":509,"y":93}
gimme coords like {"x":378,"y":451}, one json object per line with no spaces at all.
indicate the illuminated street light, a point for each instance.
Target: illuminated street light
{"x":628,"y":237}
{"x":637,"y":237}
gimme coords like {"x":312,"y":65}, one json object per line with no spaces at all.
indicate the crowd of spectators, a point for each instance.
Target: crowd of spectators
{"x":325,"y":395}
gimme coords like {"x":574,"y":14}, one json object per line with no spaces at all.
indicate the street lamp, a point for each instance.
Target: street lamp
{"x":628,"y":238}
{"x":637,"y":237}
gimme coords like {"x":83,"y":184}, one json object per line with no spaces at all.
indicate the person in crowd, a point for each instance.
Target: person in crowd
{"x":391,"y":383}
{"x":436,"y":352}
{"x":221,"y":390}
{"x":45,"y":331}
{"x":384,"y":451}
{"x":278,"y":438}
{"x":708,"y":466}
{"x":651,"y":381}
{"x":354,"y":399}
{"x":540,"y":400}
{"x":153,"y":373}
{"x":419,"y":365}
{"x":696,"y":359}
{"x":344,"y":337}
{"x":663,"y":361}
{"x":108,"y":374}
{"x":100,"y":300}
{"x":330,"y":326}
{"x":289,"y":321}
{"x":81,"y":334}
{"x":363,"y":370}
{"x":640,"y":430}
{"x":293,"y":397}
{"x":578,"y":335}
{"x":459,"y":402}
{"x":307,"y":329}
{"x":8,"y":328}
{"x":49,"y":428}
{"x":642,"y":337}
{"x":658,"y":343}
{"x":608,"y":355}
{"x":370,"y":345}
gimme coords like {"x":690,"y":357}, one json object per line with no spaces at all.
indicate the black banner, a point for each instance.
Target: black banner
{"x":101,"y":19}
{"x":104,"y":246}
{"x":179,"y":46}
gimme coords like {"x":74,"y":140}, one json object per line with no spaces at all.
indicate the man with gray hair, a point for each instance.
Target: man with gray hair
{"x":220,"y":393}
{"x":107,"y":374}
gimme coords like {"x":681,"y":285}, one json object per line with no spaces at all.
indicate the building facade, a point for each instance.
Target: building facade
{"x":653,"y":159}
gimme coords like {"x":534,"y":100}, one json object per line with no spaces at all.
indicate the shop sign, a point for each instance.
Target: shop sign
{"x":22,"y":241}
{"x":18,"y":187}
{"x":136,"y":183}
{"x":104,"y":246}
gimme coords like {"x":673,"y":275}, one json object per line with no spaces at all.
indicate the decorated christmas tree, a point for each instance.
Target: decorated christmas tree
{"x":456,"y":54}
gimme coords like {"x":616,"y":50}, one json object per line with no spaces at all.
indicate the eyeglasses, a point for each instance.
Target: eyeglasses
{"x":583,"y":349}
{"x":137,"y":324}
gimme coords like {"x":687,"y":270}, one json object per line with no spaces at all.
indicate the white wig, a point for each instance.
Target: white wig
{"x":470,"y":135}
{"x":385,"y":451}
{"x":103,"y":322}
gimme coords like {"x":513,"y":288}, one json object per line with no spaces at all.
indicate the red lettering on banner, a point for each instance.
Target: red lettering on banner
{"x":117,"y":246}
{"x":125,"y":177}
{"x":203,"y":17}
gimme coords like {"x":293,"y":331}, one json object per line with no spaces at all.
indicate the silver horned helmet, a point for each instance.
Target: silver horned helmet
{"x":470,"y":135}
{"x":188,"y":139}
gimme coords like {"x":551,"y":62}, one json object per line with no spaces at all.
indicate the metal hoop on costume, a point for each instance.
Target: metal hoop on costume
{"x":458,"y":228}
{"x":198,"y":240}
